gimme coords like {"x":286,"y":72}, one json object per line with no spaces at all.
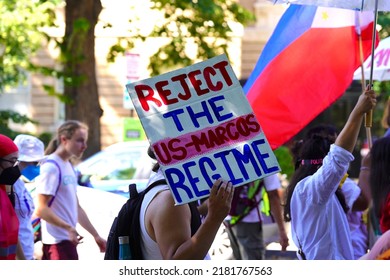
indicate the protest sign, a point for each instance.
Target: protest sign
{"x":201,"y":128}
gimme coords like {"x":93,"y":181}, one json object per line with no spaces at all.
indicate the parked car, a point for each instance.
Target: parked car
{"x":117,"y":166}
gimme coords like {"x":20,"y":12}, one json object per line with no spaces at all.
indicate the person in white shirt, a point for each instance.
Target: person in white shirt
{"x":356,"y":195}
{"x":315,"y":204}
{"x":57,"y":202}
{"x":31,"y":152}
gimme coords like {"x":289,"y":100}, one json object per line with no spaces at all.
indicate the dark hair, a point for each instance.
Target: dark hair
{"x":295,"y":148}
{"x":379,"y":175}
{"x":66,"y":129}
{"x":327,"y":131}
{"x":151,"y":154}
{"x":324,"y":130}
{"x":313,"y":148}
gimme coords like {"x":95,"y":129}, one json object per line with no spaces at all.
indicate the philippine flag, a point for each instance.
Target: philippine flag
{"x":307,"y":64}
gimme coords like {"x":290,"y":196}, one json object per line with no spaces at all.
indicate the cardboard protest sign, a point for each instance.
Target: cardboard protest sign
{"x":201,"y":128}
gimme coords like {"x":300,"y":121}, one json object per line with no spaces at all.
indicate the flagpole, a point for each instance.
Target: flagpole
{"x":368,"y":116}
{"x":363,"y":78}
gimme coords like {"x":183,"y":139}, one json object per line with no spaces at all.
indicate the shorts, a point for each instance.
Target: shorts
{"x":65,"y":250}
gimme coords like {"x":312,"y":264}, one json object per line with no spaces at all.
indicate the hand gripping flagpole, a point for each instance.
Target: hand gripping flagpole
{"x":368,"y":116}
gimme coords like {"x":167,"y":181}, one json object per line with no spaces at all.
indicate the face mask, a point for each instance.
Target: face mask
{"x":30,"y":172}
{"x":10,"y":175}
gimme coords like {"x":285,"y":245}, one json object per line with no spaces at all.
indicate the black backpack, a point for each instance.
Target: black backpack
{"x":127,"y":223}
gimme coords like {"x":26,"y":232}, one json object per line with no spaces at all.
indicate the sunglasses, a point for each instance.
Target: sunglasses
{"x":13,"y":162}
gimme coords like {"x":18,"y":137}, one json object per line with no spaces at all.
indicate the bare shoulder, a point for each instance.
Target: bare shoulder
{"x":162,"y":215}
{"x":164,"y":202}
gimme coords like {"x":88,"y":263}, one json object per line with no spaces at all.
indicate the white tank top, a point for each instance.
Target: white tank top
{"x":149,"y":247}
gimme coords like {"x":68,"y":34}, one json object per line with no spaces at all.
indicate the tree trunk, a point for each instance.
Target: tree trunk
{"x":78,"y":52}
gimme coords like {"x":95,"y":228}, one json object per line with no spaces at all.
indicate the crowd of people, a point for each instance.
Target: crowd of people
{"x":56,"y":204}
{"x":331,"y":216}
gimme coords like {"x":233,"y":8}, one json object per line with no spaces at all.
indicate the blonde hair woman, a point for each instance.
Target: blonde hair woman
{"x":57,"y":202}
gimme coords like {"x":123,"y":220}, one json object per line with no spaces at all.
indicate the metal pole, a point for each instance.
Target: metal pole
{"x":368,"y":116}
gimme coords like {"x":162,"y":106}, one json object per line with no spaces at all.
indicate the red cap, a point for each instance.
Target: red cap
{"x":7,"y":146}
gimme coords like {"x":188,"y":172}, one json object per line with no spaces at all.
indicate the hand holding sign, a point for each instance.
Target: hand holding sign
{"x":202,"y":128}
{"x":220,"y":200}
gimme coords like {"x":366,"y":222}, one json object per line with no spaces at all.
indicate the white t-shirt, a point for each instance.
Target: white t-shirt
{"x":65,"y":203}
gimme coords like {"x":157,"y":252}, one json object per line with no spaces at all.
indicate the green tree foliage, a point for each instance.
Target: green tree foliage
{"x":206,"y":24}
{"x":285,"y":160}
{"x":6,"y":116}
{"x":384,"y":23}
{"x":21,"y":35}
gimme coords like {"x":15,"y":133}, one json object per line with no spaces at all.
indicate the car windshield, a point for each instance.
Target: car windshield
{"x":118,"y":163}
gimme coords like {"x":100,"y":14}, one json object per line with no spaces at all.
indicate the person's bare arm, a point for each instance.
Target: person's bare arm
{"x":46,"y":213}
{"x":86,"y":223}
{"x":348,"y":135}
{"x":364,"y":199}
{"x":170,"y":226}
{"x":381,"y":245}
{"x":276,"y":210}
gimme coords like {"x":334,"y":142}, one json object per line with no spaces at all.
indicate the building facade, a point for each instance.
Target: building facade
{"x":32,"y":99}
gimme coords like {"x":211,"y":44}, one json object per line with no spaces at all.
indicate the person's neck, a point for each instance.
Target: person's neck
{"x":63,"y":154}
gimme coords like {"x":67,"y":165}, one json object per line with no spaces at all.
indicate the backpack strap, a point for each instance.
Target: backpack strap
{"x":134,"y":228}
{"x":195,"y":216}
{"x":255,"y":188}
{"x":246,"y":204}
{"x":59,"y":179}
{"x":196,"y":220}
{"x":133,"y":192}
{"x":36,"y":223}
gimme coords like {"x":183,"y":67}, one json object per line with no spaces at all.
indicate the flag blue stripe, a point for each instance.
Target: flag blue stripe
{"x":289,"y":28}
